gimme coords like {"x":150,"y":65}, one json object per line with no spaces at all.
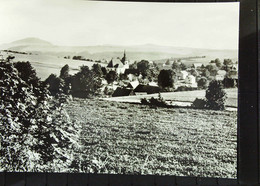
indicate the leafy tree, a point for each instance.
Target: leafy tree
{"x":104,"y":71}
{"x":215,"y":96}
{"x":176,"y":66}
{"x":64,"y":72}
{"x":183,"y":66}
{"x":205,"y":73}
{"x":111,"y":76}
{"x":96,"y":68}
{"x":55,"y":84}
{"x":85,"y":83}
{"x":227,"y":62}
{"x":217,"y":62}
{"x":212,"y":69}
{"x":193,"y":72}
{"x":202,"y":83}
{"x":143,"y":67}
{"x":133,"y":65}
{"x":166,"y":78}
{"x":229,"y":82}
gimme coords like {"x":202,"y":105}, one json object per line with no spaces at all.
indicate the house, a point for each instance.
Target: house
{"x":153,"y":83}
{"x":234,"y":67}
{"x":182,"y":74}
{"x":220,"y":75}
{"x":132,"y":77}
{"x":118,"y":65}
{"x":133,"y":84}
{"x":146,"y":89}
{"x":190,"y":79}
{"x":197,"y":65}
{"x":123,"y":92}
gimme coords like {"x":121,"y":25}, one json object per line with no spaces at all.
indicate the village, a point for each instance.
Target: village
{"x":142,"y":78}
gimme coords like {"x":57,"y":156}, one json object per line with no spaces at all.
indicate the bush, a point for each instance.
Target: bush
{"x":34,"y":130}
{"x":202,"y":83}
{"x":215,"y":96}
{"x":144,"y":101}
{"x":229,"y":82}
{"x":199,"y":103}
{"x":160,"y":102}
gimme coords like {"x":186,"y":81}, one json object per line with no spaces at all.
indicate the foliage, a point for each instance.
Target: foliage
{"x":35,"y":133}
{"x":166,"y":78}
{"x":202,"y":83}
{"x":217,"y":62}
{"x":229,"y":82}
{"x":183,"y":66}
{"x":111,"y":76}
{"x":176,"y":66}
{"x":144,"y":68}
{"x":215,"y":96}
{"x":104,"y":71}
{"x":96,"y":68}
{"x":212,"y":69}
{"x":159,"y":102}
{"x":193,"y":72}
{"x":227,"y":62}
{"x":199,"y":103}
{"x":85,"y":83}
{"x":205,"y":73}
{"x":56,"y":85}
{"x":64,"y":72}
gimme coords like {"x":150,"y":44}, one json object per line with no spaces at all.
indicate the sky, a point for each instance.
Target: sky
{"x":85,"y":23}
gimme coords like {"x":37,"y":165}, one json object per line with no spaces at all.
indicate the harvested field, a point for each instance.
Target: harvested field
{"x":128,"y":138}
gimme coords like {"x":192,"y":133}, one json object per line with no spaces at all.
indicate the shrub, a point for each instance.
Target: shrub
{"x":199,"y":103}
{"x":215,"y":96}
{"x":229,"y":82}
{"x":144,"y":101}
{"x":160,"y":102}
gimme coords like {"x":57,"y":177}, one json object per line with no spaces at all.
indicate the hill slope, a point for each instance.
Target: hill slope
{"x":137,"y":52}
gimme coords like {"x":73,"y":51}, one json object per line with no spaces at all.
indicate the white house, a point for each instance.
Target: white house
{"x":220,"y":75}
{"x":197,"y":65}
{"x":182,"y":74}
{"x":133,"y":84}
{"x":190,"y":79}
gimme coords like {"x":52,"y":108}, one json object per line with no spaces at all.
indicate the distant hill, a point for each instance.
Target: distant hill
{"x":137,"y":52}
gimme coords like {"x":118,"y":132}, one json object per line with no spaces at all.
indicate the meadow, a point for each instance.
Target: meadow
{"x":183,"y":98}
{"x":130,"y":138}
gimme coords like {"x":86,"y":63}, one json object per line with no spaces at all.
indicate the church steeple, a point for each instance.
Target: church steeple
{"x":124,"y":58}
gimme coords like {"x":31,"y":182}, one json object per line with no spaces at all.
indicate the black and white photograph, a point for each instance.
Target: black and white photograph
{"x":135,"y":88}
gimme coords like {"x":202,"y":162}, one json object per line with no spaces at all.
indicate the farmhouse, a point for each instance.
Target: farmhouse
{"x":182,"y":74}
{"x":120,"y":91}
{"x":118,"y":65}
{"x":133,"y":84}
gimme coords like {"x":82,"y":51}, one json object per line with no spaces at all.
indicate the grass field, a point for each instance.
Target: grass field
{"x":184,"y":98}
{"x":136,"y":139}
{"x":47,"y":64}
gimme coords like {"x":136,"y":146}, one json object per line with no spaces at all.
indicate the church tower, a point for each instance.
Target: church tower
{"x":124,"y":60}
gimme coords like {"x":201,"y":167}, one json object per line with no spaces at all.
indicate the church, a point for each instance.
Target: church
{"x":118,"y":65}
